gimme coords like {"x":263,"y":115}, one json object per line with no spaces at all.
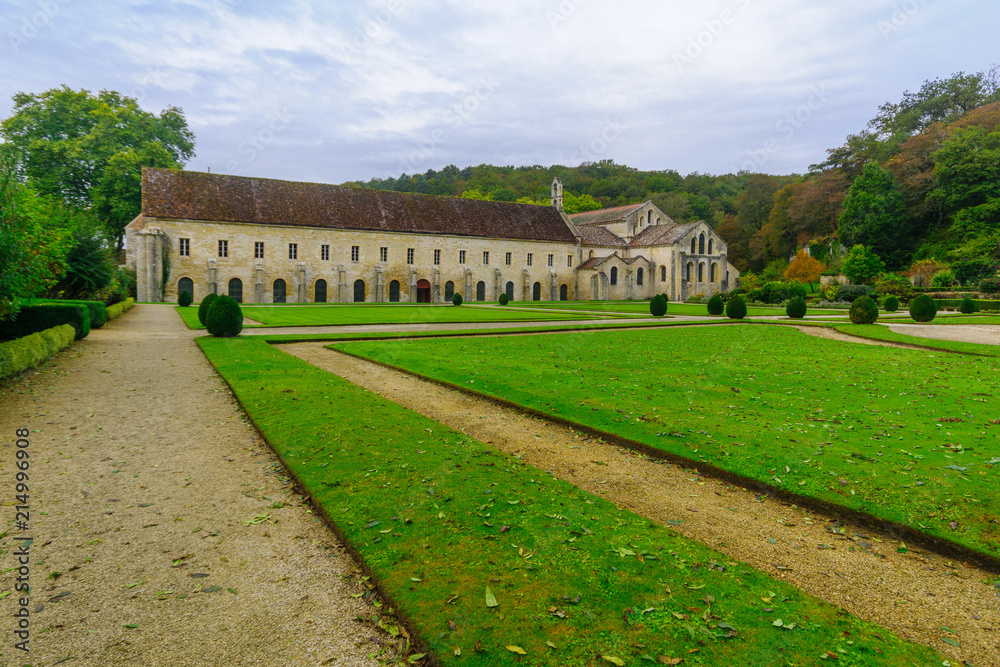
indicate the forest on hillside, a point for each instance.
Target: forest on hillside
{"x":919,"y":187}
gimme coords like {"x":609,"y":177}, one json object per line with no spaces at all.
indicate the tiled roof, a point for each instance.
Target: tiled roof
{"x":600,"y":236}
{"x":661,"y":235}
{"x":192,"y":195}
{"x":591,"y":263}
{"x":604,"y":215}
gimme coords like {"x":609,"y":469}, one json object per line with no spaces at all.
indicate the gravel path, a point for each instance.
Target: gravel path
{"x":985,"y":334}
{"x":143,"y":474}
{"x":914,"y":594}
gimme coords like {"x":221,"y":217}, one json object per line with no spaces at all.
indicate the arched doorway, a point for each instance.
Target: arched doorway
{"x":449,"y":290}
{"x":563,"y":293}
{"x":359,"y":291}
{"x":480,"y":291}
{"x":236,"y":290}
{"x":536,"y":291}
{"x":185,"y":285}
{"x":509,"y":290}
{"x":423,"y":291}
{"x":279,"y":291}
{"x":394,"y":291}
{"x":320,"y":291}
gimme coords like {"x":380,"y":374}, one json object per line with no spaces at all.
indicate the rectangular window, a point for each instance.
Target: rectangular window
{"x":486,"y":257}
{"x":185,"y":247}
{"x":355,"y":253}
{"x":293,"y":251}
{"x":551,"y":259}
{"x":461,"y":257}
{"x":437,"y":257}
{"x":383,"y":254}
{"x":508,"y":259}
{"x":223,"y":248}
{"x":529,"y":259}
{"x":409,"y":255}
{"x":324,"y":253}
{"x":258,"y":250}
{"x":569,"y":261}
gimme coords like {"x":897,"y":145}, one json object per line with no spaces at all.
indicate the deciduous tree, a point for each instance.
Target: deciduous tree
{"x":805,"y":269}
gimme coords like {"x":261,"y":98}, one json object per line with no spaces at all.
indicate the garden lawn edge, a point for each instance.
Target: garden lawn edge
{"x":882,"y":333}
{"x":906,"y":533}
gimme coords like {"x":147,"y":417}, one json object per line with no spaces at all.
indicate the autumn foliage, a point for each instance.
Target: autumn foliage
{"x":804,"y":269}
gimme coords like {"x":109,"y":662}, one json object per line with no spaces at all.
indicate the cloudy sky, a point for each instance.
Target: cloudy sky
{"x":352,"y":90}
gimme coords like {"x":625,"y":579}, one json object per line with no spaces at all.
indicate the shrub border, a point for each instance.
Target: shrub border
{"x":20,"y":354}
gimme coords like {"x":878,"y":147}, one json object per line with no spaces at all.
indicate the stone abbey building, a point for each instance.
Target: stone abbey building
{"x":269,"y":241}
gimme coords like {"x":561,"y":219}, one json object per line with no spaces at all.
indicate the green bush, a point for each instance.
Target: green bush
{"x":98,"y":311}
{"x":923,"y":308}
{"x":21,"y":354}
{"x":968,"y":306}
{"x":777,"y":292}
{"x":457,"y":299}
{"x":891,"y":304}
{"x":204,"y":306}
{"x":737,"y":292}
{"x":225,"y":317}
{"x":695,"y":298}
{"x":184,"y":299}
{"x":990,"y":285}
{"x":864,"y":311}
{"x":658,"y":306}
{"x":716,"y":306}
{"x":895,"y":285}
{"x":504,"y":299}
{"x":796,"y":308}
{"x":851,"y":292}
{"x":120,"y":307}
{"x":736,"y":309}
{"x":981,"y":304}
{"x":34,"y":318}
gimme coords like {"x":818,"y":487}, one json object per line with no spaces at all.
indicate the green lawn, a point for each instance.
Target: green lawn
{"x":879,"y":332}
{"x":642,"y":308}
{"x":489,"y":558}
{"x":902,"y":435}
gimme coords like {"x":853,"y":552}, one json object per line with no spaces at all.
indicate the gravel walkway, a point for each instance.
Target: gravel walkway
{"x":143,"y":478}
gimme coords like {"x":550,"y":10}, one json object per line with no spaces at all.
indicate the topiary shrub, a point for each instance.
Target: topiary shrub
{"x":457,"y":299}
{"x":968,"y":306}
{"x":891,"y":304}
{"x":34,"y":318}
{"x":204,"y":305}
{"x":716,"y":306}
{"x":796,"y":308}
{"x":225,"y":317}
{"x":504,"y":299}
{"x":864,"y":311}
{"x":658,"y":306}
{"x":736,"y":309}
{"x":923,"y":308}
{"x":184,"y":299}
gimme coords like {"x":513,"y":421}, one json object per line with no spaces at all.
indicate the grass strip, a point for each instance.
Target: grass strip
{"x":877,"y":332}
{"x":674,"y":308}
{"x":906,"y":436}
{"x":494,"y":562}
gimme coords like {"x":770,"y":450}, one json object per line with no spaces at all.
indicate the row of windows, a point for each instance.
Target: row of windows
{"x":699,"y":243}
{"x":184,"y":249}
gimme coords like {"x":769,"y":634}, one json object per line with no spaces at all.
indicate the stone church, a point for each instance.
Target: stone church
{"x":268,"y":241}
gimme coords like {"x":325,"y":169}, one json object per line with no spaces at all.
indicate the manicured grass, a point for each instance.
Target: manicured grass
{"x":642,"y":308}
{"x":879,"y":332}
{"x":333,"y":315}
{"x":902,"y":435}
{"x":446,"y":523}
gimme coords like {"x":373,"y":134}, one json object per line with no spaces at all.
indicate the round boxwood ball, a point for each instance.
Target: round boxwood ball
{"x":864,"y":311}
{"x":923,"y":308}
{"x":716,"y":306}
{"x":891,"y":304}
{"x":225,"y":317}
{"x":504,"y":299}
{"x":968,"y":306}
{"x":658,"y":306}
{"x":203,"y":307}
{"x":457,"y":299}
{"x":796,"y":308}
{"x":184,"y":299}
{"x":736,"y":308}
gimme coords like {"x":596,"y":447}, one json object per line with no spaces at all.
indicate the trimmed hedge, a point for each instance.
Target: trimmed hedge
{"x":736,"y":308}
{"x":967,"y":306}
{"x":98,"y":311}
{"x":716,"y":306}
{"x":658,"y":306}
{"x":35,"y":318}
{"x":120,"y":307}
{"x":225,"y":317}
{"x":923,"y":308}
{"x":204,"y":305}
{"x":504,"y":299}
{"x":863,"y":311}
{"x":796,"y":308}
{"x":980,"y":304}
{"x":184,"y":299}
{"x":891,"y":304}
{"x":19,"y":355}
{"x":457,"y":299}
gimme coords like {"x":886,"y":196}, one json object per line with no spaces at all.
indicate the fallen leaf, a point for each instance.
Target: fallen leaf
{"x":517,"y":649}
{"x":491,"y":601}
{"x":614,"y":661}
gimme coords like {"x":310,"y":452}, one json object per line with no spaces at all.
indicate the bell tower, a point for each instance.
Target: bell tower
{"x":557,"y":193}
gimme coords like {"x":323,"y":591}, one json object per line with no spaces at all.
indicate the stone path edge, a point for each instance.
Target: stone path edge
{"x":908,"y":534}
{"x":416,"y":640}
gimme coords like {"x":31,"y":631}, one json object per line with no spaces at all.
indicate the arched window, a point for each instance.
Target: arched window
{"x":359,"y":291}
{"x":649,"y":218}
{"x":320,"y":291}
{"x":663,"y":274}
{"x":638,"y":276}
{"x":536,"y":291}
{"x":480,"y":291}
{"x":279,"y":291}
{"x":563,"y":293}
{"x":394,"y":291}
{"x":701,"y":244}
{"x":690,"y":270}
{"x":236,"y":290}
{"x":449,"y":290}
{"x":693,"y":241}
{"x":701,"y":273}
{"x":614,"y":275}
{"x":185,"y":285}
{"x":710,"y":246}
{"x":591,"y":255}
{"x":712,"y":272}
{"x":509,"y":290}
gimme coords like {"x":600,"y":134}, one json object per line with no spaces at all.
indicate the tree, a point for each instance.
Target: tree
{"x":862,"y":266}
{"x":873,"y":216}
{"x":805,"y":269}
{"x":89,"y":150}
{"x":967,"y":169}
